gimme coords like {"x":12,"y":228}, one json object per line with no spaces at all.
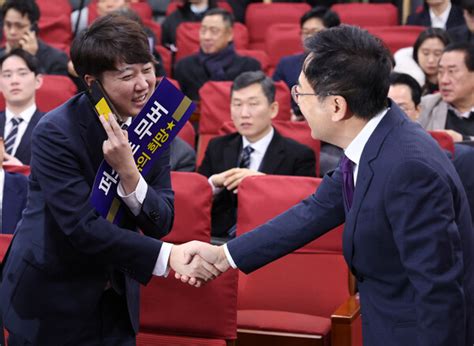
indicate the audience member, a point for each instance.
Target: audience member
{"x":189,"y":11}
{"x":19,"y":80}
{"x":80,"y":18}
{"x":217,"y":59}
{"x":406,"y":92}
{"x":255,"y":149}
{"x":453,"y":108}
{"x":20,"y":27}
{"x":13,"y":191}
{"x":437,"y":14}
{"x":182,"y":156}
{"x":464,"y":33}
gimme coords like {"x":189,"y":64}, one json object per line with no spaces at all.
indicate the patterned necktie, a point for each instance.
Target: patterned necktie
{"x":244,"y":161}
{"x":10,"y":140}
{"x":347,"y":168}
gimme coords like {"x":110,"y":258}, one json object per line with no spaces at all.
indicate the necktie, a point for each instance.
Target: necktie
{"x":10,"y":140}
{"x":244,"y":160}
{"x":347,"y":169}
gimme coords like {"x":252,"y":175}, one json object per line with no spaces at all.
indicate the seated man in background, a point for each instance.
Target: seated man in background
{"x":453,"y":108}
{"x":182,"y":156}
{"x":20,"y":27}
{"x":437,"y":14}
{"x":13,"y":191}
{"x":464,"y":33}
{"x":217,"y":59}
{"x":406,"y":92}
{"x":19,"y":80}
{"x":255,"y":149}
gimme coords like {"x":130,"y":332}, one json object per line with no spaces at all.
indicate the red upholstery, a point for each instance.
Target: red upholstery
{"x":363,"y":14}
{"x":188,"y":134}
{"x":23,"y":169}
{"x":55,"y":91}
{"x":56,"y":30}
{"x":259,"y":17}
{"x":155,"y":27}
{"x":282,"y":40}
{"x":187,"y":38}
{"x":173,"y":6}
{"x":259,"y":55}
{"x":192,"y":207}
{"x":51,"y":9}
{"x":444,"y":140}
{"x":300,"y":295}
{"x":147,"y":339}
{"x":396,"y":37}
{"x":5,"y":240}
{"x":166,"y":57}
{"x":298,"y":131}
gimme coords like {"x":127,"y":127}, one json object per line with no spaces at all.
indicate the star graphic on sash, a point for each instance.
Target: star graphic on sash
{"x":170,"y":125}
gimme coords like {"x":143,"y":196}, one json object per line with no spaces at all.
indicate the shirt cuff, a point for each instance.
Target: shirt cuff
{"x":229,"y":257}
{"x":161,"y":266}
{"x":134,"y":200}
{"x":215,"y":190}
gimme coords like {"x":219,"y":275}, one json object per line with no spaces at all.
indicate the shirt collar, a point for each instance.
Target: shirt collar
{"x":26,"y":115}
{"x":356,"y":147}
{"x":262,"y":144}
{"x":442,"y":18}
{"x":465,"y":115}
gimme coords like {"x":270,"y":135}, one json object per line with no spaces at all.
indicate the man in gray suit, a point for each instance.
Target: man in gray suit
{"x":453,"y":108}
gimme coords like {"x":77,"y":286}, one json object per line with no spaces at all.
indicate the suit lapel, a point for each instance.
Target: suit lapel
{"x":274,"y":155}
{"x":364,"y":176}
{"x":232,"y":152}
{"x":3,"y":118}
{"x":24,"y":148}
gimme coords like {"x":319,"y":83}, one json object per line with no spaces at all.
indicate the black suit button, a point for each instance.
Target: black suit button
{"x":154,"y":215}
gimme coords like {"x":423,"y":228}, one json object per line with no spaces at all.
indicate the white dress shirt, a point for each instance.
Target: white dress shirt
{"x":441,"y":20}
{"x":353,"y":152}
{"x":259,"y":149}
{"x":26,"y":115}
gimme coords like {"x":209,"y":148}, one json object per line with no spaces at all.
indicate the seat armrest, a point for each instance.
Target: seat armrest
{"x":346,"y":324}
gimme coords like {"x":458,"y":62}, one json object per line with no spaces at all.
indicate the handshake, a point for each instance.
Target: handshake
{"x":196,"y":262}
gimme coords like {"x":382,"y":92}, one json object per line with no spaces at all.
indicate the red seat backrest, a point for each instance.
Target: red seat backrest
{"x":5,"y":240}
{"x":56,"y":30}
{"x":52,"y":9}
{"x":187,"y":38}
{"x":259,"y":17}
{"x":166,"y":57}
{"x":313,"y":279}
{"x":22,"y":169}
{"x":282,"y":40}
{"x":397,"y":37}
{"x":259,"y":55}
{"x":188,"y":134}
{"x":362,"y":14}
{"x":55,"y":91}
{"x":444,"y":140}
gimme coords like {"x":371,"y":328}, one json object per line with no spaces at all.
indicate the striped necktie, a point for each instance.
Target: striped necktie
{"x":10,"y":140}
{"x":244,"y":161}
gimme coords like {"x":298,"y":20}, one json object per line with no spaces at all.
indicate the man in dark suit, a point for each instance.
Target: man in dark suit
{"x":19,"y":80}
{"x":71,"y":276}
{"x":464,"y":33}
{"x":227,"y":162}
{"x":13,"y":190}
{"x":438,"y":14}
{"x":217,"y":59}
{"x":408,"y":235}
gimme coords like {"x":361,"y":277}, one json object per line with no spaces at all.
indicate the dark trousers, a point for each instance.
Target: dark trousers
{"x":109,"y":325}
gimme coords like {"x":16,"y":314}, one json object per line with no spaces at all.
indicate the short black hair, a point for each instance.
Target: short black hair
{"x":348,"y":61}
{"x":227,"y":17}
{"x":248,"y":78}
{"x":429,"y":33}
{"x":30,"y":60}
{"x":410,"y":82}
{"x":467,"y":49}
{"x":328,"y":17}
{"x":467,"y":5}
{"x":25,"y":7}
{"x":110,"y":40}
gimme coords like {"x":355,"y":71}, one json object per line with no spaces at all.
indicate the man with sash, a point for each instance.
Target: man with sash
{"x":72,"y":273}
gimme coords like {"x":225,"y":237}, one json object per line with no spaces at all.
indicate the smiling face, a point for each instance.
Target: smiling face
{"x":251,"y":112}
{"x":129,"y":86}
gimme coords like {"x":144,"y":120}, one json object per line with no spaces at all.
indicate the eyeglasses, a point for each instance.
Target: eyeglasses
{"x":295,"y":94}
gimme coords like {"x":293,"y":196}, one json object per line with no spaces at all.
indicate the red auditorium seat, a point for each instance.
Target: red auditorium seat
{"x":215,"y":110}
{"x":22,"y":169}
{"x":173,"y":313}
{"x":188,"y":134}
{"x":259,"y":55}
{"x":364,"y":15}
{"x":282,"y":40}
{"x":55,"y":91}
{"x":173,"y":6}
{"x":56,"y":30}
{"x":166,"y":57}
{"x":292,"y":300}
{"x":52,"y":9}
{"x":259,"y":17}
{"x":296,"y":130}
{"x":396,"y":37}
{"x":155,"y":27}
{"x":5,"y":240}
{"x":444,"y":140}
{"x":187,"y":38}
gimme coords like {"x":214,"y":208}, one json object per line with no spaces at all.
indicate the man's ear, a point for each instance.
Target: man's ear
{"x":89,"y":79}
{"x":38,"y":81}
{"x":274,"y":107}
{"x":339,"y":108}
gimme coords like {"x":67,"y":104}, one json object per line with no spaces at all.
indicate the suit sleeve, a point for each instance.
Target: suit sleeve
{"x":303,"y":223}
{"x":67,"y":201}
{"x":421,"y":211}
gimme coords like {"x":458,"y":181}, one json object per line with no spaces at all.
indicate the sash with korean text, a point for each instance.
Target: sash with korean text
{"x":149,"y":134}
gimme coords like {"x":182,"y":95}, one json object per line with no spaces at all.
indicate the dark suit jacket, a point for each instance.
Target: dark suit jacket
{"x":14,"y":200}
{"x":461,"y":33}
{"x":191,"y":74}
{"x":182,"y":156}
{"x":23,"y":153}
{"x":63,"y":252}
{"x":423,"y":18}
{"x":288,"y":69}
{"x":284,"y":156}
{"x":408,"y":238}
{"x":464,"y":163}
